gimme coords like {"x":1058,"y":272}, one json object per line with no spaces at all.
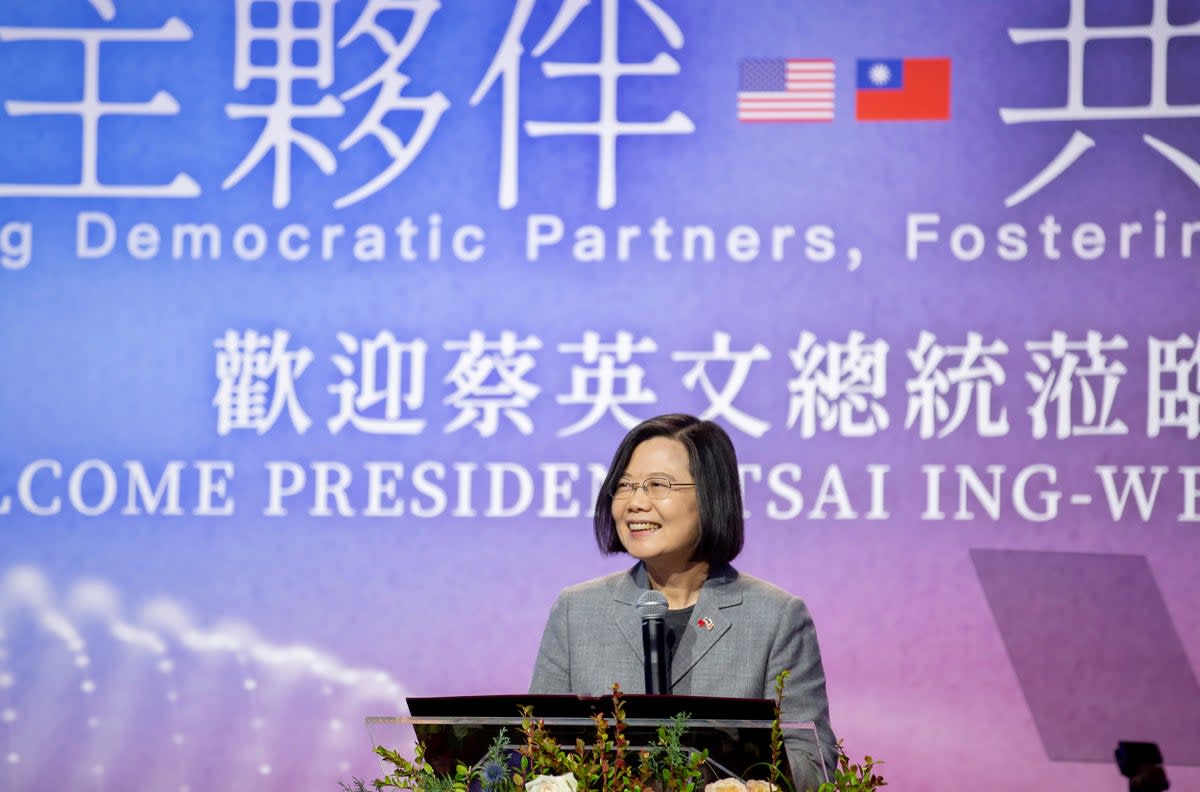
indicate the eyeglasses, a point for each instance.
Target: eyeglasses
{"x":656,"y":488}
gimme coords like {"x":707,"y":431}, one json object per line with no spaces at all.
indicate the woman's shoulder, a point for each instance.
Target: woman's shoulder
{"x":602,"y":586}
{"x":756,"y":590}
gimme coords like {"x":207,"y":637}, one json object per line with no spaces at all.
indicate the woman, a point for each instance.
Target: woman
{"x":672,"y":499}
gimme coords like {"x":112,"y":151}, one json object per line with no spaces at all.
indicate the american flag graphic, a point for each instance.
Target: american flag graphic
{"x":785,"y":89}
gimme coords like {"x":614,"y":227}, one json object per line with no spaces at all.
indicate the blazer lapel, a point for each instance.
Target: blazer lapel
{"x":625,"y":592}
{"x":710,"y":620}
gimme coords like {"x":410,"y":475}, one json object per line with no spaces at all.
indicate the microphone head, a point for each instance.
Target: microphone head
{"x":651,"y":605}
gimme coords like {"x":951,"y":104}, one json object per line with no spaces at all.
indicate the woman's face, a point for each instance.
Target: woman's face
{"x":665,"y":532}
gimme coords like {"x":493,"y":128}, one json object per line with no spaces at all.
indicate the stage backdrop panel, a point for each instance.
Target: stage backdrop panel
{"x":321,"y":321}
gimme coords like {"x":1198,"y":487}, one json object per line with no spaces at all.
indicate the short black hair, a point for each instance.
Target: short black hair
{"x":712,"y":463}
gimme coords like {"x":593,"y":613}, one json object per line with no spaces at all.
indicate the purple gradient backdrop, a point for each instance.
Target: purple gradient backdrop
{"x":113,"y":359}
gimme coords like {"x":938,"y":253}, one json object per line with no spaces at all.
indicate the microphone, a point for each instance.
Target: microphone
{"x":652,"y":606}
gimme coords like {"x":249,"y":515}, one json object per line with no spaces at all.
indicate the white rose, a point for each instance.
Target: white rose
{"x":725,"y":785}
{"x":559,"y":783}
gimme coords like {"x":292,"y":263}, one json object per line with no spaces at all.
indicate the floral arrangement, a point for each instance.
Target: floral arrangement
{"x":607,"y":764}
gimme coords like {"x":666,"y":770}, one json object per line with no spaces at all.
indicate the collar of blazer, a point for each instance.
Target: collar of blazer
{"x":720,"y":593}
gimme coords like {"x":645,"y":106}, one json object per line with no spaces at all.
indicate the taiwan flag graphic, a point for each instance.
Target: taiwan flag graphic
{"x":908,"y":89}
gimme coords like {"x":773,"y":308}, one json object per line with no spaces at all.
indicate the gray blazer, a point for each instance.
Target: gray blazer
{"x":744,"y":631}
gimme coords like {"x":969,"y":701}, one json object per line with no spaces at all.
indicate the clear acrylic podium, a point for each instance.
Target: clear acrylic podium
{"x":736,"y":732}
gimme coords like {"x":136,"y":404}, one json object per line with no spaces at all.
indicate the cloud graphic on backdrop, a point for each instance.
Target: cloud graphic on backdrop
{"x":89,"y":697}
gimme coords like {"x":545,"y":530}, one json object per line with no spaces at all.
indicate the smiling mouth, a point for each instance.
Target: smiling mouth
{"x":642,"y":527}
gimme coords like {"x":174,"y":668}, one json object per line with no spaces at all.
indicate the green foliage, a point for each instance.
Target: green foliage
{"x":774,"y":767}
{"x":493,"y":771}
{"x":777,"y":753}
{"x":677,"y":767}
{"x":541,"y":754}
{"x":603,"y":765}
{"x":850,"y":777}
{"x":418,"y":775}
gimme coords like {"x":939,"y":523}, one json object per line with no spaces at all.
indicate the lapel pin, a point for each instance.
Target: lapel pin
{"x":705,"y":623}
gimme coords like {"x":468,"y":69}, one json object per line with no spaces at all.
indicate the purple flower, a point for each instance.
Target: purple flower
{"x":493,"y":774}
